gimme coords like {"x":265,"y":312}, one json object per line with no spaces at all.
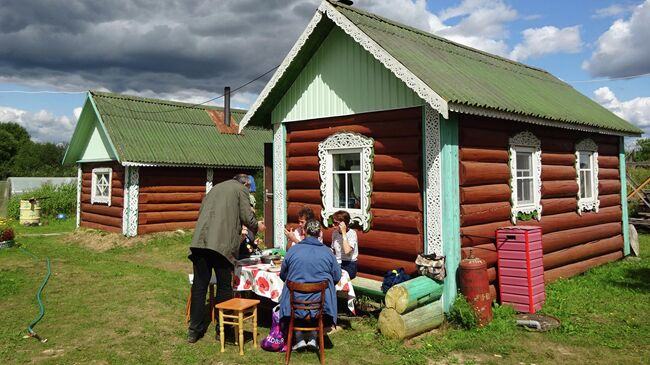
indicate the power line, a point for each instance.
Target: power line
{"x":40,"y":92}
{"x":609,"y":79}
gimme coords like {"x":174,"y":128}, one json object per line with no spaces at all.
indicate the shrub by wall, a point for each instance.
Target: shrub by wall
{"x":54,"y":200}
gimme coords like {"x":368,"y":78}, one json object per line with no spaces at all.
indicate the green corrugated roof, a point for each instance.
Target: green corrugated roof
{"x":156,"y":131}
{"x":463,"y":75}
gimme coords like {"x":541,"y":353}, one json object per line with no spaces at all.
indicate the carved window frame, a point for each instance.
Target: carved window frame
{"x":101,"y":199}
{"x":346,"y":142}
{"x":526,"y":142}
{"x":587,"y":145}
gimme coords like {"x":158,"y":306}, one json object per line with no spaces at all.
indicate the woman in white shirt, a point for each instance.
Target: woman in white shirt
{"x":345,"y":243}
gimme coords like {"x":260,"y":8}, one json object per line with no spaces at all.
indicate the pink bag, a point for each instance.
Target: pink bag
{"x":274,"y":342}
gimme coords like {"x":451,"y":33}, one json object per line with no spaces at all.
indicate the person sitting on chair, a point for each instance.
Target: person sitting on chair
{"x":298,"y":234}
{"x":310,"y":262}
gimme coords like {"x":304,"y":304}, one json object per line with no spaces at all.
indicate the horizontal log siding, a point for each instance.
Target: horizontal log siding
{"x":170,"y":197}
{"x":572,"y":243}
{"x":101,"y":216}
{"x":396,"y":234}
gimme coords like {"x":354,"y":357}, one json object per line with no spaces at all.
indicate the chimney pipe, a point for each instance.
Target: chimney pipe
{"x":226,"y":106}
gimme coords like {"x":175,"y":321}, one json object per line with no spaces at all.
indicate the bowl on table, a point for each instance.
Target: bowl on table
{"x":269,"y":259}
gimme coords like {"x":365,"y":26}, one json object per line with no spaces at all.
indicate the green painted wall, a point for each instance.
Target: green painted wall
{"x":89,"y":141}
{"x":626,"y":225}
{"x":98,"y":148}
{"x":340,"y":79}
{"x":450,"y":205}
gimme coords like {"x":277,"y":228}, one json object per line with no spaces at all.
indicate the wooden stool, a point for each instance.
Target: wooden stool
{"x":241,"y":310}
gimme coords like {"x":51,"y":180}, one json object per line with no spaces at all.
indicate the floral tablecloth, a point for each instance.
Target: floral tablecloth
{"x":264,"y":280}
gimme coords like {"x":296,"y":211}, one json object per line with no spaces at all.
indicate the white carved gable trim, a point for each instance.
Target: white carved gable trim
{"x":593,"y":203}
{"x":526,"y":140}
{"x":347,"y":141}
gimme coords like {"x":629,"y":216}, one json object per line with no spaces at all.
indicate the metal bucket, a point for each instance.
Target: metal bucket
{"x":30,"y":212}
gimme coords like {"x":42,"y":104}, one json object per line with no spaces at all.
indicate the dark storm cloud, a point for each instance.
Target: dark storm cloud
{"x":163,"y":45}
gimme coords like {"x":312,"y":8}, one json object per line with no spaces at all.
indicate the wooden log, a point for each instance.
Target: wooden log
{"x":394,"y":181}
{"x":411,"y":294}
{"x":173,"y":180}
{"x":472,"y":214}
{"x":162,"y":172}
{"x":582,"y":252}
{"x":164,"y":217}
{"x":405,"y":116}
{"x":560,"y":159}
{"x":609,"y":187}
{"x":307,"y":163}
{"x":300,"y":179}
{"x":608,"y":162}
{"x":564,"y":221}
{"x":481,"y":173}
{"x":485,"y":194}
{"x":101,"y":227}
{"x":487,"y":252}
{"x":379,"y":265}
{"x":392,"y":244}
{"x":481,"y":137}
{"x":552,"y":172}
{"x":483,"y":155}
{"x":409,"y":162}
{"x":570,"y":270}
{"x":101,"y":219}
{"x":563,"y":239}
{"x":117,"y":192}
{"x":492,"y":274}
{"x":173,"y":189}
{"x":296,"y":149}
{"x":116,"y":201}
{"x":609,"y":200}
{"x":374,"y":129}
{"x":399,"y":201}
{"x":370,"y":276}
{"x":559,"y":189}
{"x":559,"y":205}
{"x":102,"y":209}
{"x":169,"y":207}
{"x":411,"y":223}
{"x":399,"y":145}
{"x":309,"y":196}
{"x":608,"y":174}
{"x":481,"y":233}
{"x":156,"y":198}
{"x":393,"y":325}
{"x":162,"y":227}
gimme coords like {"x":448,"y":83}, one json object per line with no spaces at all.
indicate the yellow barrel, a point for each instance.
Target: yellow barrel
{"x":30,"y":211}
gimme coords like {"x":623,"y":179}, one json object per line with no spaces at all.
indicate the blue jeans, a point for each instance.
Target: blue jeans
{"x":350,"y":267}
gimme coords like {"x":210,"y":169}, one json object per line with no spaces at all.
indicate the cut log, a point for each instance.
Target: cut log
{"x":609,"y":187}
{"x":561,"y":159}
{"x":559,"y":189}
{"x":563,"y":239}
{"x":405,"y":297}
{"x":559,"y":205}
{"x":551,"y":173}
{"x":472,"y":214}
{"x":608,"y":174}
{"x":395,"y":182}
{"x":101,"y":219}
{"x":300,"y":179}
{"x":399,"y":201}
{"x":481,"y":173}
{"x":169,"y":207}
{"x":397,"y":162}
{"x":483,"y":155}
{"x":485,"y":194}
{"x":580,"y":267}
{"x":492,"y":274}
{"x":164,"y":217}
{"x":608,"y":162}
{"x":393,"y":325}
{"x":158,"y":198}
{"x":582,"y":252}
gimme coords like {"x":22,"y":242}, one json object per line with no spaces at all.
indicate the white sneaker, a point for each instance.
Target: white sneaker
{"x":312,"y":345}
{"x":299,"y":346}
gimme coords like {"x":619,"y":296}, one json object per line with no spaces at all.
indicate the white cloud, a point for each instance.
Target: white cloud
{"x":624,"y":49}
{"x":635,"y":111}
{"x":77,"y":113}
{"x":611,"y":11}
{"x":43,"y":125}
{"x":545,"y":40}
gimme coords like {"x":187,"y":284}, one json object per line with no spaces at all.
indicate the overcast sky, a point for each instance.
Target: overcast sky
{"x":188,"y":50}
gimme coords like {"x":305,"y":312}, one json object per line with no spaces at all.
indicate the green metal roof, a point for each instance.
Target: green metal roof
{"x":465,"y":76}
{"x":160,"y":132}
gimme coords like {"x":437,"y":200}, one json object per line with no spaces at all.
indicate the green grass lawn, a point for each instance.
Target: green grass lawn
{"x":126,"y":305}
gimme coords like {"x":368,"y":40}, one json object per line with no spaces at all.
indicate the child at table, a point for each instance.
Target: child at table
{"x":345,"y":243}
{"x":298,"y":234}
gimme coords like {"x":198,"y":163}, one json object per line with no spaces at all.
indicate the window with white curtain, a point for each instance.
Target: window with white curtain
{"x":346,"y":167}
{"x":525,"y":177}
{"x":587,"y":175}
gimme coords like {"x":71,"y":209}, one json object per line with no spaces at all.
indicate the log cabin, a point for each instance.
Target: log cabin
{"x":144,"y":165}
{"x":432,"y":145}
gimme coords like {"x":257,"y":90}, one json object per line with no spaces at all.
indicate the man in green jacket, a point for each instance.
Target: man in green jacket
{"x":215,"y":245}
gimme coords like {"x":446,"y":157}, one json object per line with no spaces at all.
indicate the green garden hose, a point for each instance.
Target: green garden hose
{"x":30,"y":327}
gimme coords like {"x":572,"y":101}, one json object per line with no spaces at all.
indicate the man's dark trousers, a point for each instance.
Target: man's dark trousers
{"x":204,"y":262}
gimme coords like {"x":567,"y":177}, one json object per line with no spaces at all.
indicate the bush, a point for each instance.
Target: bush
{"x":54,"y":200}
{"x":462,"y":314}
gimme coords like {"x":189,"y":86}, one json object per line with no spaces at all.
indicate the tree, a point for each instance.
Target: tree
{"x":12,"y":137}
{"x":642,"y":150}
{"x":40,"y":159}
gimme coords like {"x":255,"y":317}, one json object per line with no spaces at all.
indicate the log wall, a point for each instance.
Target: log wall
{"x":396,"y":235}
{"x":572,"y":243}
{"x":101,"y":216}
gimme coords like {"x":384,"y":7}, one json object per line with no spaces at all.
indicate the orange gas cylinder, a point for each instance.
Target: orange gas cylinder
{"x":475,"y":287}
